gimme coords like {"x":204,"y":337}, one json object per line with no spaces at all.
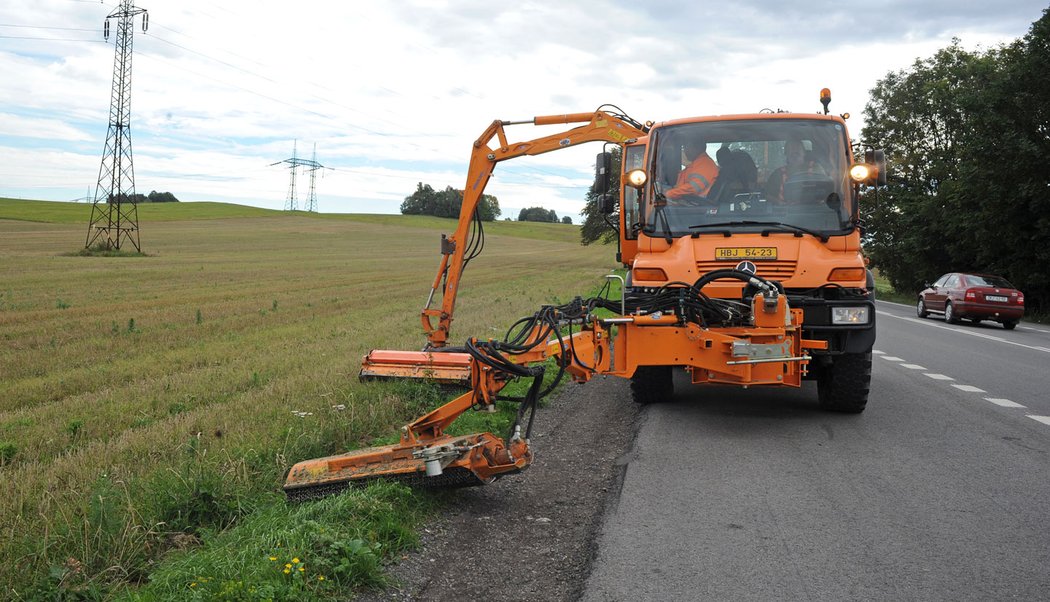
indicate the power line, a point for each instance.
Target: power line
{"x":48,"y":27}
{"x":50,"y":39}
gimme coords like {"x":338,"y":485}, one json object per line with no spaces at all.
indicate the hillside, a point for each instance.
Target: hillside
{"x":74,"y":213}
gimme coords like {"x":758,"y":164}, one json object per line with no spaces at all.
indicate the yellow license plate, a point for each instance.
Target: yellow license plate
{"x":729,"y":253}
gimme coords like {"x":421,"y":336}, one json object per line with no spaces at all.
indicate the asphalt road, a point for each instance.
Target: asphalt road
{"x":939,"y":491}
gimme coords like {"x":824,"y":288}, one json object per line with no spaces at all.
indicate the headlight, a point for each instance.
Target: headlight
{"x":636,"y":178}
{"x":860,"y":172}
{"x":850,"y":315}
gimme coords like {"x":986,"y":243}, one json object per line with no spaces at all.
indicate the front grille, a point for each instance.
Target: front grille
{"x":772,"y":270}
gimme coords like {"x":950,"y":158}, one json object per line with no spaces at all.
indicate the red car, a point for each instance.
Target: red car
{"x":975,"y":297}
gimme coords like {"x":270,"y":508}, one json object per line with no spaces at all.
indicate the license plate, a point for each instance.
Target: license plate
{"x":732,"y":253}
{"x":996,"y":298}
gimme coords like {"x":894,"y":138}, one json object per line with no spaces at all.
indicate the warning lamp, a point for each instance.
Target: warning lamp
{"x":825,"y":99}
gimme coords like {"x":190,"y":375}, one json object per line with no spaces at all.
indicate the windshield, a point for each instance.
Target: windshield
{"x":792,"y":172}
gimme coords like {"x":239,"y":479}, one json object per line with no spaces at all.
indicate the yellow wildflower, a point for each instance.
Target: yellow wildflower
{"x":286,"y":571}
{"x":295,"y":560}
{"x":301,"y":569}
{"x":320,"y":577}
{"x":287,"y":566}
{"x":273,"y":558}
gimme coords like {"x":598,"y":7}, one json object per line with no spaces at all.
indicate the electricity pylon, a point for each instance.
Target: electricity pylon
{"x":112,"y":220}
{"x":291,"y":203}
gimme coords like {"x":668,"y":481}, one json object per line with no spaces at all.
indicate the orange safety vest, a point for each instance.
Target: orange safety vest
{"x":696,"y":179}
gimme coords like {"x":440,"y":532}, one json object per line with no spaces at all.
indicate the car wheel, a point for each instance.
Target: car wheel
{"x":843,"y":385}
{"x":920,"y":308}
{"x":1010,"y":324}
{"x":651,"y":384}
{"x":949,"y":314}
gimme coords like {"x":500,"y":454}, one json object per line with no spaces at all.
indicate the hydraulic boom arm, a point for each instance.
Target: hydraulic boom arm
{"x":599,"y":126}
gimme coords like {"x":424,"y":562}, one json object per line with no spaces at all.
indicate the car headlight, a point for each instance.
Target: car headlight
{"x":850,"y":315}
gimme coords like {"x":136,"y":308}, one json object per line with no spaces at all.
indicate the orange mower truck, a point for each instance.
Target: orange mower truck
{"x":741,"y":240}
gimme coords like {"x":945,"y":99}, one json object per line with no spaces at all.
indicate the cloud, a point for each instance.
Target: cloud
{"x":396,"y":93}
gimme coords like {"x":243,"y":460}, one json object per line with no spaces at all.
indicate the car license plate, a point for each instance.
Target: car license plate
{"x":733,"y":253}
{"x":996,"y":298}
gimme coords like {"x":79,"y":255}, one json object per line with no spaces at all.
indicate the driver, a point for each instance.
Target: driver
{"x":699,"y":173}
{"x":796,"y":162}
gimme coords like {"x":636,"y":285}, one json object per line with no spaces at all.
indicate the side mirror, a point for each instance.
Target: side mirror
{"x":876,"y":158}
{"x":602,"y":171}
{"x":607,"y":203}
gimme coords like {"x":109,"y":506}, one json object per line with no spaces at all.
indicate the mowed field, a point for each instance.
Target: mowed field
{"x":148,"y":404}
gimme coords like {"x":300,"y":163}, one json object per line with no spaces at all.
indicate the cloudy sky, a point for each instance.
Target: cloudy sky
{"x":394,"y":93}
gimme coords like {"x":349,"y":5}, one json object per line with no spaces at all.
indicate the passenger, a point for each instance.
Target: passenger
{"x":699,"y":174}
{"x":796,"y":162}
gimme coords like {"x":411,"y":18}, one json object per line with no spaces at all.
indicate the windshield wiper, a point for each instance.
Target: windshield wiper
{"x":798,"y":230}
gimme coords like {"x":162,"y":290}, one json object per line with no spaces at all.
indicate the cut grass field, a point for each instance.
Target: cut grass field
{"x":150,"y":406}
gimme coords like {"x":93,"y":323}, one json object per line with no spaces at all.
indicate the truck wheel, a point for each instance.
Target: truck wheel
{"x":843,"y":385}
{"x":651,"y":384}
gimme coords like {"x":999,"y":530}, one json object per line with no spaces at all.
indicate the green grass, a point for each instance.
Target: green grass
{"x":150,"y":406}
{"x":885,"y":292}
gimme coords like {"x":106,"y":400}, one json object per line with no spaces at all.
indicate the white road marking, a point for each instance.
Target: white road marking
{"x":939,"y":376}
{"x":1043,"y":330}
{"x":877,"y":352}
{"x":969,"y":388}
{"x":1006,"y":403}
{"x":912,"y":367}
{"x":965,"y":331}
{"x":890,"y":358}
{"x":1043,"y":419}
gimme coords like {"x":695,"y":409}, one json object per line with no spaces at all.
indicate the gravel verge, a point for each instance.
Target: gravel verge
{"x":530,"y":536}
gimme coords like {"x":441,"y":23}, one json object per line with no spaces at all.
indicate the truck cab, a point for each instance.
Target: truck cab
{"x":769,"y":193}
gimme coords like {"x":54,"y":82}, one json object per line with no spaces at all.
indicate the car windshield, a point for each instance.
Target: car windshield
{"x":745,"y":174}
{"x":994,"y":281}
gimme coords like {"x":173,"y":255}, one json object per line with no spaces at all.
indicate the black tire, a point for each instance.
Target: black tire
{"x":843,"y":385}
{"x":920,"y":309}
{"x":1010,"y":324}
{"x":651,"y":384}
{"x":949,"y":313}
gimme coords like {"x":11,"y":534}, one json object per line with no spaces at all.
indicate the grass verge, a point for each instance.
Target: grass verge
{"x":149,"y":410}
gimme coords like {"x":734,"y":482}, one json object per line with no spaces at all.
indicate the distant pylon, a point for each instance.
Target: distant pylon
{"x":112,"y":220}
{"x":291,"y":204}
{"x":311,"y":202}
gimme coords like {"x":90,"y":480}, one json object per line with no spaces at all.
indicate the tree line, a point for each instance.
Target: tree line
{"x":446,"y":203}
{"x":539,"y":214}
{"x":152,"y":197}
{"x":967,"y":135}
